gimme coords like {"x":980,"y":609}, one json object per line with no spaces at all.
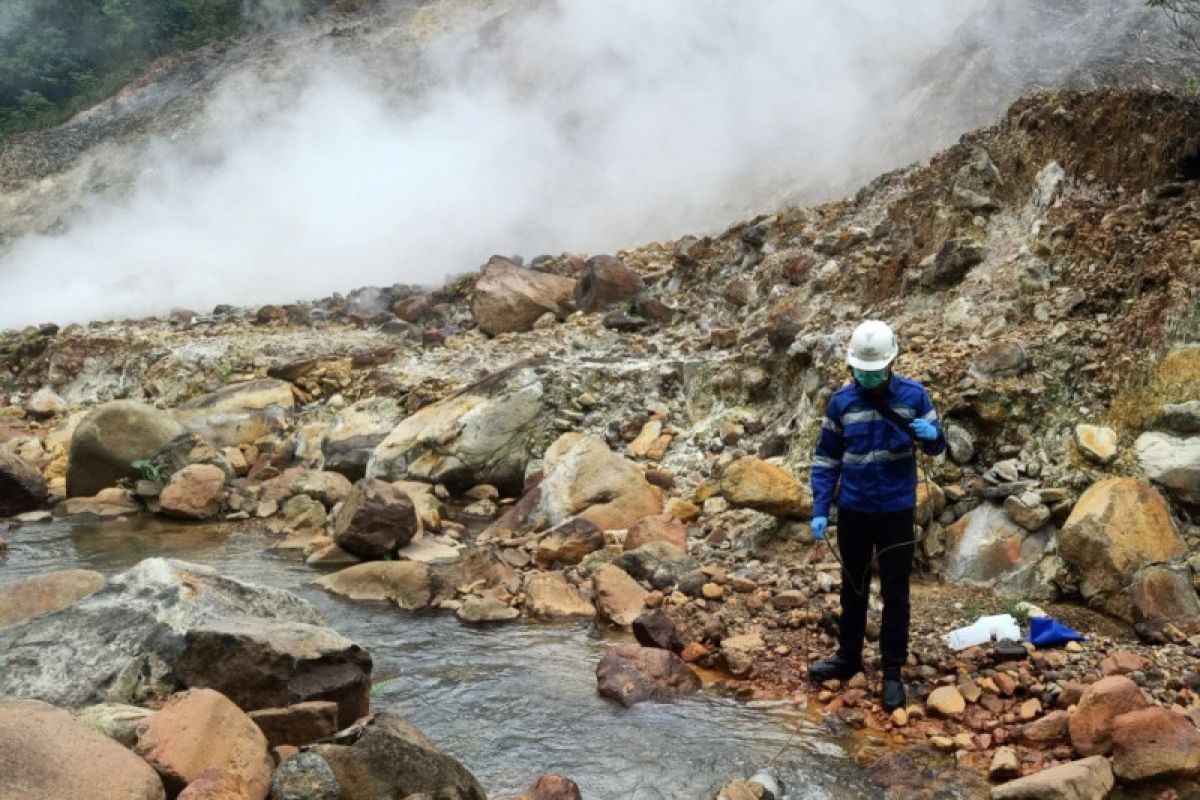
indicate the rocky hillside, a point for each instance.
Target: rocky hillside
{"x":657,"y":407}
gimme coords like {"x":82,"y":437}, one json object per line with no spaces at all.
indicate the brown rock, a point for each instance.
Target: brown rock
{"x":330,"y":488}
{"x":549,"y":594}
{"x":946,"y":701}
{"x":1161,"y":596}
{"x":22,"y":488}
{"x":619,"y":598}
{"x":657,"y":528}
{"x":508,"y":297}
{"x":262,"y":663}
{"x":1005,"y":765}
{"x":194,"y":492}
{"x":606,"y":282}
{"x":742,"y":653}
{"x":298,"y":724}
{"x":682,"y":510}
{"x":1154,"y":744}
{"x":552,"y":787}
{"x":1117,"y":527}
{"x":585,"y":479}
{"x":112,"y":502}
{"x":241,"y":413}
{"x":46,"y":754}
{"x":201,"y":729}
{"x":568,"y":543}
{"x":656,"y":629}
{"x":377,"y":518}
{"x":753,"y":483}
{"x":1086,"y":779}
{"x":1123,"y":662}
{"x":41,"y":594}
{"x":1092,"y":723}
{"x":409,"y":584}
{"x":631,"y":674}
{"x":215,"y":784}
{"x":1048,"y":730}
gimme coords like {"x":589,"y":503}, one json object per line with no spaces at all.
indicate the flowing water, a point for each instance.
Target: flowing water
{"x":511,"y":701}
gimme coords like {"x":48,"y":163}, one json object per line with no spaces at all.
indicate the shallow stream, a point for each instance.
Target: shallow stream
{"x":511,"y":701}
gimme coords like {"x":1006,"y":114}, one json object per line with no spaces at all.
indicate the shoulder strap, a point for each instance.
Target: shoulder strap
{"x":888,"y":413}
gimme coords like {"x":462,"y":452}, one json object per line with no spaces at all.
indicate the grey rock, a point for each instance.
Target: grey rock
{"x":355,"y":432}
{"x":1172,"y":462}
{"x":305,"y":776}
{"x":952,"y":262}
{"x":960,"y":443}
{"x":22,"y":488}
{"x":110,"y":438}
{"x":122,"y":643}
{"x":1181,"y":417}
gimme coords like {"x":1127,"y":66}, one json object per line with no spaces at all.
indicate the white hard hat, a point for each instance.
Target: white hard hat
{"x":872,"y":346}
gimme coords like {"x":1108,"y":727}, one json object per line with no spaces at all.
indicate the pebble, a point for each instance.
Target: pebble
{"x":712,"y":591}
{"x":946,"y":701}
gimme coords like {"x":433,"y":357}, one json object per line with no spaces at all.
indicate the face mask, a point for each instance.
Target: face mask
{"x":870,"y":379}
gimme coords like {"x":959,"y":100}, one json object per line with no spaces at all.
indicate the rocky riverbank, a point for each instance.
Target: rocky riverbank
{"x":626,"y":437}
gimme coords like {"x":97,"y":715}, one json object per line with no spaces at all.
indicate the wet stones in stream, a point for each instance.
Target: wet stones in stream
{"x":632,"y":674}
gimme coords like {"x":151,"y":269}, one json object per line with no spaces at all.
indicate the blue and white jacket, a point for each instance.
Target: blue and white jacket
{"x":869,"y":455}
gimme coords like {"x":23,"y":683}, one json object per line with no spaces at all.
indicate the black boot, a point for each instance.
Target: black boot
{"x":836,"y":668}
{"x":893,"y":694}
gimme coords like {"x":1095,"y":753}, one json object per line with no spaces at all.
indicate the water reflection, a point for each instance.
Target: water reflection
{"x":512,"y":702}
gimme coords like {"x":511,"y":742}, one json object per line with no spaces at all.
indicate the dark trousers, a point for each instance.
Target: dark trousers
{"x":860,"y":537}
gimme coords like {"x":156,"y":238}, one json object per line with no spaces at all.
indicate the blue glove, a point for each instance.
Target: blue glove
{"x":924,"y":430}
{"x":819,"y":524}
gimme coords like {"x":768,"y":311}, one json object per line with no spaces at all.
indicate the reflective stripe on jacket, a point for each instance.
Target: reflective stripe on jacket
{"x":864,"y":462}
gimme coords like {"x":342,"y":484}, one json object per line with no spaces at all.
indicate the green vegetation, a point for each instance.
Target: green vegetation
{"x":60,"y":56}
{"x":149,"y":470}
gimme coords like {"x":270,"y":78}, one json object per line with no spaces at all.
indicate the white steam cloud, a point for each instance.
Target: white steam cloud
{"x":581,"y":125}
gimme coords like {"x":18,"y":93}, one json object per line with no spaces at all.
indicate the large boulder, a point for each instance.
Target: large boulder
{"x":201,"y":730}
{"x":1163,"y":596}
{"x":657,"y":528}
{"x":110,"y":438}
{"x":986,"y":548}
{"x":1154,"y":744}
{"x":1118,"y":526}
{"x":606,"y":282}
{"x":355,"y":432}
{"x":1086,"y":779}
{"x":22,"y":488}
{"x":754,"y":483}
{"x":241,"y":413}
{"x":42,"y":594}
{"x":508,"y":297}
{"x":483,"y":434}
{"x":376,"y":519}
{"x":393,"y":759}
{"x":409,"y":584}
{"x":260,"y":663}
{"x":1091,"y":724}
{"x":47,"y":754}
{"x":194,"y":492}
{"x":585,"y":479}
{"x":629,"y":674}
{"x":122,"y":643}
{"x":1172,"y":462}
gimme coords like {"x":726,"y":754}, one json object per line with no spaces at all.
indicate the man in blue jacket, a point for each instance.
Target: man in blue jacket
{"x":865,"y":464}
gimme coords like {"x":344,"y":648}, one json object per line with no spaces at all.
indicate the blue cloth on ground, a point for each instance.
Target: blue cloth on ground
{"x":1047,"y":632}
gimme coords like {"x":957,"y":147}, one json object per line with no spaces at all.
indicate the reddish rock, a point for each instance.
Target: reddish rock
{"x":1123,"y":662}
{"x":42,"y":594}
{"x":200,"y":730}
{"x":509,"y":297}
{"x":1050,"y":729}
{"x":657,"y":528}
{"x":215,"y":784}
{"x":552,"y":787}
{"x":1154,"y":744}
{"x":656,"y":629}
{"x":1161,"y":597}
{"x":1092,"y":723}
{"x":606,"y":282}
{"x":377,"y":518}
{"x":1086,"y":779}
{"x":299,"y":724}
{"x":46,"y":754}
{"x":619,"y":598}
{"x":194,"y":492}
{"x":631,"y":674}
